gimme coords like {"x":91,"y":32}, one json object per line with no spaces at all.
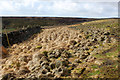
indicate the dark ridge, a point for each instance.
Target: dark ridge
{"x":19,"y":36}
{"x":19,"y":22}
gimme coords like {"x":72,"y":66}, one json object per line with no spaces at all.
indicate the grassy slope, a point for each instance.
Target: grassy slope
{"x":107,"y":24}
{"x":12,"y":24}
{"x":108,"y":57}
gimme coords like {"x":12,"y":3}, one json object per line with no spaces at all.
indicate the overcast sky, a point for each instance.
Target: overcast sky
{"x":59,"y":8}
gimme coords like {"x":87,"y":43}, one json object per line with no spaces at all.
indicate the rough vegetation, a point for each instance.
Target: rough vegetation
{"x":64,"y":52}
{"x":16,"y":23}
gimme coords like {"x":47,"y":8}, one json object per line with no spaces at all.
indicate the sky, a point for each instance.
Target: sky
{"x":60,"y":8}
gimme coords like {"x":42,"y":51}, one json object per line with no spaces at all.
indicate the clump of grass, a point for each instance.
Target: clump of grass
{"x":70,"y":68}
{"x":111,"y":54}
{"x":45,"y":52}
{"x":78,"y":70}
{"x":95,"y":66}
{"x":115,"y":65}
{"x":118,"y":48}
{"x":98,"y":55}
{"x":39,"y":47}
{"x":94,"y":73}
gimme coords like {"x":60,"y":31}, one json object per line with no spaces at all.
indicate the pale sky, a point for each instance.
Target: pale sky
{"x":59,"y":8}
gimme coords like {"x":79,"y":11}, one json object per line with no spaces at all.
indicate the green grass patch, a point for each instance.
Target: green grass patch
{"x":110,"y":54}
{"x":78,"y":70}
{"x":99,"y":55}
{"x":115,"y":65}
{"x":8,"y":30}
{"x":94,"y":73}
{"x":95,"y":66}
{"x":118,"y":48}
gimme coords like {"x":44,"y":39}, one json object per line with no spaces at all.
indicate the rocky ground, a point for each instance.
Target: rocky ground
{"x":63,"y":53}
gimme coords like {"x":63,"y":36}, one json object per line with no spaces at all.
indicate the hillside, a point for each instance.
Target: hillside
{"x":83,"y":50}
{"x":16,"y":23}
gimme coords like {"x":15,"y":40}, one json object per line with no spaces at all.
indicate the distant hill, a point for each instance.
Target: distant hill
{"x":19,"y":22}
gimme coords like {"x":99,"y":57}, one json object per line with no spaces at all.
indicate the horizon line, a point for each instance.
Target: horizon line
{"x":54,"y":16}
